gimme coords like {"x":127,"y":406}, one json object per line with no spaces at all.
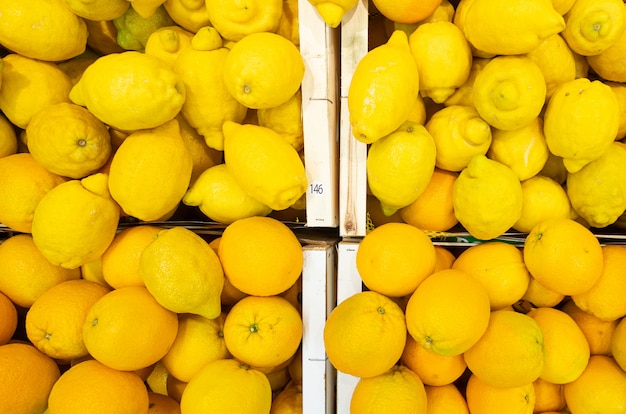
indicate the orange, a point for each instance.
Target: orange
{"x":600,"y":389}
{"x":499,"y":267}
{"x":23,"y":183}
{"x":605,"y":299}
{"x":295,"y":367}
{"x":54,"y":323}
{"x":92,"y":387}
{"x":199,"y":341}
{"x":563,"y":255}
{"x":566,"y":350}
{"x":445,"y":258}
{"x":406,"y":11}
{"x":227,"y":386}
{"x":26,"y":273}
{"x":263,"y":331}
{"x":92,"y":271}
{"x":597,"y":331}
{"x":433,"y":210}
{"x":483,"y":398}
{"x":365,"y":334}
{"x":433,"y":369}
{"x":175,"y":387}
{"x":120,"y":261}
{"x":548,"y":396}
{"x":398,"y":390}
{"x":131,"y":319}
{"x":445,"y":399}
{"x":230,"y":294}
{"x":448,"y":312}
{"x":162,"y":404}
{"x":251,"y":260}
{"x":393,"y":259}
{"x":26,"y":378}
{"x":539,"y":295}
{"x":294,"y":295}
{"x":288,"y":401}
{"x":618,"y":344}
{"x":8,"y":316}
{"x":510,"y":353}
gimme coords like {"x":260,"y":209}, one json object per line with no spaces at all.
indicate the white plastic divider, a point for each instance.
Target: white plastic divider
{"x":318,"y":299}
{"x":319,"y":47}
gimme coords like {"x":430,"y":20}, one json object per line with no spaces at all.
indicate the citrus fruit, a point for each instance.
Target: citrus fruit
{"x":98,"y":10}
{"x":236,"y":20}
{"x":8,"y":138}
{"x":620,"y":92}
{"x":332,"y":11}
{"x":609,"y":63}
{"x":542,"y":199}
{"x":433,"y":369}
{"x":8,"y":312}
{"x":131,"y":319}
{"x":448,"y":312}
{"x":618,"y":351}
{"x":286,"y":119}
{"x":202,"y":156}
{"x":162,"y":404}
{"x":539,"y":295}
{"x":406,"y":11}
{"x":548,"y":396}
{"x":190,"y":15}
{"x":598,"y":332}
{"x":167,"y":43}
{"x":484,"y":398}
{"x":556,"y":61}
{"x":134,"y":30}
{"x":464,"y":94}
{"x":288,"y":400}
{"x":445,"y":399}
{"x":146,"y":8}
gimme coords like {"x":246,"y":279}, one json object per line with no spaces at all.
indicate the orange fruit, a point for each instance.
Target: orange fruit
{"x":120,"y":261}
{"x":398,"y":390}
{"x":540,"y":296}
{"x":445,"y":399}
{"x":230,"y":294}
{"x":131,"y":319}
{"x":26,"y":273}
{"x":406,"y":11}
{"x":295,"y":367}
{"x":175,"y":387}
{"x":600,"y":389}
{"x":251,"y":261}
{"x":433,"y":369}
{"x":26,"y":378}
{"x":445,"y":258}
{"x":563,"y":255}
{"x":499,"y":267}
{"x":288,"y":401}
{"x":92,"y":387}
{"x":365,"y":334}
{"x":548,"y":396}
{"x":483,"y":398}
{"x":566,"y":350}
{"x":510,"y":353}
{"x":8,"y":315}
{"x":433,"y":210}
{"x":162,"y":404}
{"x":393,"y":259}
{"x":227,"y":386}
{"x":605,"y":298}
{"x":618,"y":344}
{"x":54,"y":323}
{"x":448,"y":312}
{"x":597,"y":331}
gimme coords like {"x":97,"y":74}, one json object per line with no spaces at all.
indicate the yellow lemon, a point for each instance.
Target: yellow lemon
{"x":191,"y":15}
{"x":286,"y":119}
{"x":542,"y":199}
{"x":130,"y":91}
{"x":383,"y":89}
{"x":487,"y":198}
{"x":464,"y":94}
{"x":406,"y":11}
{"x":509,"y":92}
{"x":609,"y":64}
{"x":620,"y":92}
{"x":556,"y":61}
{"x":42,"y":30}
{"x":400,"y":165}
{"x":289,"y":25}
{"x":134,"y":30}
{"x":8,"y":137}
{"x":180,"y":257}
{"x":167,"y":42}
{"x":562,"y":6}
{"x":459,"y":134}
{"x":266,"y":166}
{"x":538,"y":295}
{"x":617,"y":344}
{"x":332,"y":11}
{"x":581,"y":121}
{"x":235,"y":20}
{"x":593,"y":26}
{"x":263,"y":70}
{"x":102,"y":37}
{"x":202,"y":156}
{"x":76,"y":221}
{"x":434,"y":46}
{"x":98,"y":10}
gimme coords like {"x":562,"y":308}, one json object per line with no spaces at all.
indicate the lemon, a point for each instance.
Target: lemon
{"x":620,"y":93}
{"x":208,"y":103}
{"x":102,"y":37}
{"x":263,"y":70}
{"x":592,"y":26}
{"x":167,"y":42}
{"x":76,"y":221}
{"x":400,"y":165}
{"x":42,"y":29}
{"x":130,"y":91}
{"x":555,"y":60}
{"x":542,"y":199}
{"x":150,"y":172}
{"x":98,"y":10}
{"x":234,"y":20}
{"x":30,"y":85}
{"x":133,"y":30}
{"x":286,"y":119}
{"x":524,"y":150}
{"x":146,"y":8}
{"x":443,"y":58}
{"x":68,"y":140}
{"x":610,"y":64}
{"x":464,"y":94}
{"x":202,"y":155}
{"x":289,"y":25}
{"x":487,"y":198}
{"x":554,"y":168}
{"x":383,"y":88}
{"x":266,"y":166}
{"x":8,"y":137}
{"x":332,"y":11}
{"x":459,"y":134}
{"x":507,"y":28}
{"x":179,"y":257}
{"x":562,"y":6}
{"x":581,"y":121}
{"x":596,"y":191}
{"x":191,"y":15}
{"x":221,"y":198}
{"x":75,"y":66}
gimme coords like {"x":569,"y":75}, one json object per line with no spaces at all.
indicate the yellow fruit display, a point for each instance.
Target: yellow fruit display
{"x":286,"y":119}
{"x":130,"y":318}
{"x":179,"y":257}
{"x":406,"y":11}
{"x":591,"y":27}
{"x":167,"y":43}
{"x":332,"y":11}
{"x":618,"y":351}
{"x":98,"y":10}
{"x":27,"y":375}
{"x":484,"y":398}
{"x":448,"y":312}
{"x":365,"y":334}
{"x":8,"y":313}
{"x":190,"y":15}
{"x":383,"y":89}
{"x":556,"y":61}
{"x":400,"y":165}
{"x":487,"y":198}
{"x":433,"y":369}
{"x":130,"y":91}
{"x":445,"y":399}
{"x":234,"y":20}
{"x":93,"y":387}
{"x":598,"y":332}
{"x":542,"y":199}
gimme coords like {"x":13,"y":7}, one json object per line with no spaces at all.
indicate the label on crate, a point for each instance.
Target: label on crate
{"x":316,"y":189}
